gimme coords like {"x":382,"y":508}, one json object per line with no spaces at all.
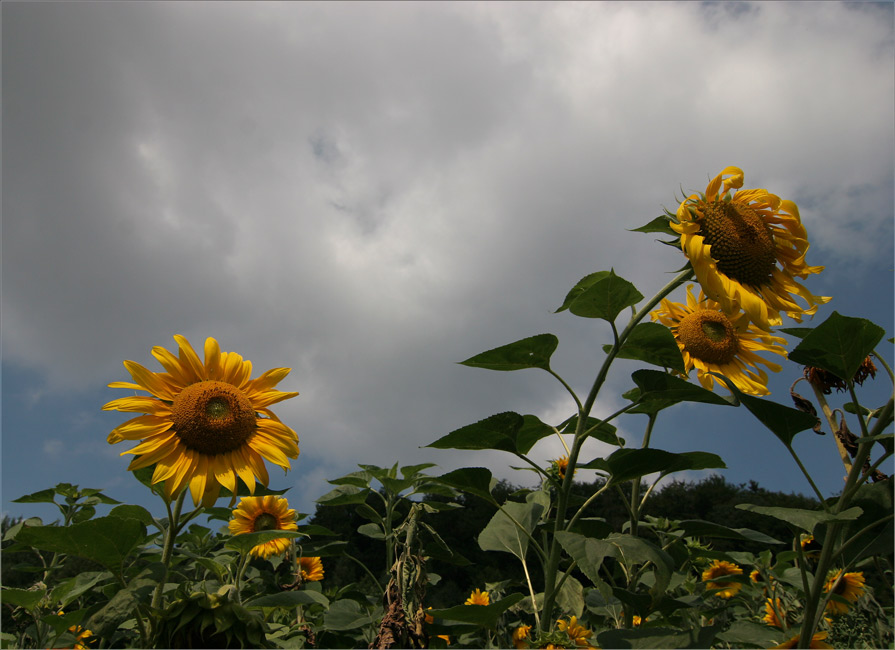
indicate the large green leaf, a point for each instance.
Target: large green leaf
{"x":838,"y":345}
{"x":627,"y":464}
{"x":587,"y":552}
{"x":246,"y":541}
{"x":344,"y":495}
{"x":667,"y":389}
{"x":659,"y":637}
{"x":700,"y":528}
{"x":106,"y":540}
{"x":799,"y":517}
{"x":508,"y":431}
{"x":345,"y":614}
{"x":532,"y":352}
{"x":653,"y":343}
{"x":43,"y":496}
{"x":583,"y":284}
{"x":605,"y":298}
{"x":474,"y":480}
{"x":21,"y":597}
{"x":127,"y":511}
{"x":748,"y":633}
{"x":602,"y":431}
{"x":874,"y":531}
{"x":503,"y":534}
{"x":289,"y":599}
{"x":482,"y":615}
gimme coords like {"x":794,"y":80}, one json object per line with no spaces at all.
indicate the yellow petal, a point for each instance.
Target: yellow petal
{"x":189,"y":359}
{"x":139,"y":428}
{"x":212,"y":359}
{"x":150,"y":381}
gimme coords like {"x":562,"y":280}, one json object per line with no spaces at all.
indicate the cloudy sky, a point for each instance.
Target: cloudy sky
{"x":369,"y":193}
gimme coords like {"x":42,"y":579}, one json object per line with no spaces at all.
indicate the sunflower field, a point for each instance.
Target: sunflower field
{"x":204,"y":431}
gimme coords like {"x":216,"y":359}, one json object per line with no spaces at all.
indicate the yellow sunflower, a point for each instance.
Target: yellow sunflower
{"x":478,"y":597}
{"x":711,"y":340}
{"x":578,"y":633}
{"x":720,"y":568}
{"x":520,"y":637}
{"x":747,"y":249}
{"x":310,"y":569}
{"x":254,"y":514}
{"x":810,"y":547}
{"x":817,"y":641}
{"x":204,"y":424}
{"x":770,"y":613}
{"x":82,"y":636}
{"x":561,"y":465}
{"x":850,"y":587}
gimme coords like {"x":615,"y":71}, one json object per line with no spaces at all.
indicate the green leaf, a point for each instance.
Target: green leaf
{"x":343,"y":495}
{"x":22,"y":597}
{"x":659,"y":637}
{"x":245,"y":542}
{"x":508,"y":431}
{"x":602,"y":431}
{"x":627,"y":464}
{"x":61,"y":622}
{"x":570,"y":598}
{"x":373,"y":531}
{"x":583,"y":284}
{"x":532,"y":352}
{"x":588,"y":553}
{"x":357,"y":479}
{"x":799,"y":517}
{"x":797,"y":332}
{"x":117,"y":610}
{"x":653,"y":343}
{"x":481,"y":615}
{"x":838,"y":345}
{"x":474,"y":480}
{"x":667,"y":389}
{"x":396,"y":485}
{"x":606,"y":298}
{"x":747,"y":633}
{"x":659,"y":224}
{"x":502,"y":533}
{"x":874,"y":533}
{"x":415,"y":471}
{"x":106,"y":540}
{"x":68,"y":590}
{"x":289,"y":599}
{"x":700,"y":528}
{"x":43,"y":496}
{"x":139,"y":513}
{"x":345,"y":614}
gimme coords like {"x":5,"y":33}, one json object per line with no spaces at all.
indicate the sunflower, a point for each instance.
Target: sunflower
{"x":310,"y":569}
{"x":578,"y":633}
{"x":850,"y":587}
{"x":817,"y":641}
{"x":771,"y":610}
{"x":636,"y":621}
{"x":431,"y":619}
{"x":810,"y":547}
{"x":720,"y":568}
{"x":204,"y":424}
{"x":711,"y":340}
{"x":735,"y":244}
{"x":254,"y":514}
{"x":82,"y":636}
{"x":561,"y":466}
{"x":520,"y":637}
{"x":478,"y":597}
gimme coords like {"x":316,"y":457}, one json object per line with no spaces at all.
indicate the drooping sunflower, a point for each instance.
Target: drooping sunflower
{"x":254,"y":514}
{"x":817,"y":641}
{"x":204,"y":423}
{"x":746,"y":249}
{"x":771,"y":609}
{"x":578,"y":633}
{"x":720,"y":568}
{"x":310,"y":569}
{"x":850,"y":587}
{"x":711,"y":340}
{"x":478,"y":597}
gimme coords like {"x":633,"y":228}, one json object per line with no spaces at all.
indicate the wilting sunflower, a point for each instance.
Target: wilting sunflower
{"x":310,"y":569}
{"x":204,"y":424}
{"x":720,"y":568}
{"x":850,"y":587}
{"x":711,"y":340}
{"x":817,"y":641}
{"x":478,"y":597}
{"x":578,"y":633}
{"x":747,"y":248}
{"x":254,"y":514}
{"x":770,"y":613}
{"x":520,"y":637}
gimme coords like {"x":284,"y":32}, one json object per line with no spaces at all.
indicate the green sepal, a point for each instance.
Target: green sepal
{"x":660,"y":224}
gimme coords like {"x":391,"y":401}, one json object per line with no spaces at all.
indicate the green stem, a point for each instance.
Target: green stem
{"x":563,"y":497}
{"x":170,"y":535}
{"x":240,"y":572}
{"x":831,"y":420}
{"x":817,"y":492}
{"x":635,"y":485}
{"x":364,"y":566}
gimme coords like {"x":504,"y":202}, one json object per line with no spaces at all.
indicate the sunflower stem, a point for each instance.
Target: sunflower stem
{"x":240,"y":572}
{"x":635,"y":484}
{"x":167,"y":550}
{"x":831,"y":420}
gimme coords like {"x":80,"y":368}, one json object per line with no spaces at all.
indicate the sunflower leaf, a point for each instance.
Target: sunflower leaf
{"x":838,"y":345}
{"x":602,"y":431}
{"x":289,"y":599}
{"x":657,"y":386}
{"x":659,"y":637}
{"x":507,"y":431}
{"x":345,"y":614}
{"x":653,"y":343}
{"x":605,"y":298}
{"x":627,"y":464}
{"x":244,"y":542}
{"x":502,"y":533}
{"x":582,"y":285}
{"x":482,"y":615}
{"x":531,"y":352}
{"x":474,"y":480}
{"x":106,"y":540}
{"x":799,"y":517}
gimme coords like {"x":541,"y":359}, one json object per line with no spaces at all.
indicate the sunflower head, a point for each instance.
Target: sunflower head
{"x":254,"y":514}
{"x":849,"y":586}
{"x":810,"y":547}
{"x":746,"y":248}
{"x":310,"y":569}
{"x":712,"y":340}
{"x":521,"y":637}
{"x":717,"y":569}
{"x":559,"y":467}
{"x":478,"y":597}
{"x":773,"y":613}
{"x":204,"y":424}
{"x":577,"y":632}
{"x":825,"y":381}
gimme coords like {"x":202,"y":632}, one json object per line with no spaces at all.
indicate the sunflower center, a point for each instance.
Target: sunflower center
{"x":709,"y":336}
{"x":213,"y":417}
{"x":266,"y":521}
{"x":742,"y":244}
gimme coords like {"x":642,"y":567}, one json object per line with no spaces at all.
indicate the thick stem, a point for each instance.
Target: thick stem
{"x":167,"y":550}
